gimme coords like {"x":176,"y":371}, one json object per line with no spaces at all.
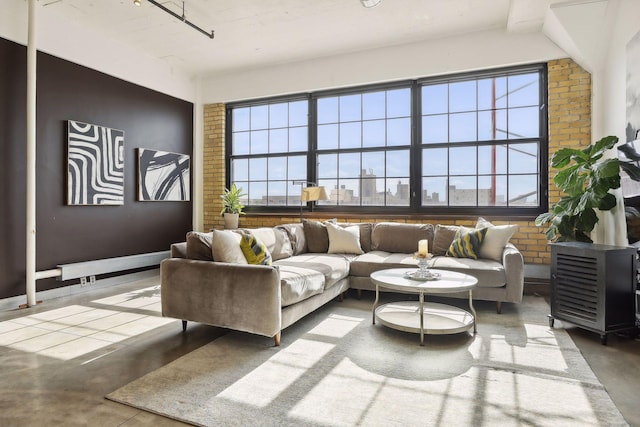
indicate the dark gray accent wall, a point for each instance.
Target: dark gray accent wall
{"x":66,"y":234}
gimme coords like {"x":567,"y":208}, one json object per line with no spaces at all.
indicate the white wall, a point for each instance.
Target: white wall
{"x":615,"y":70}
{"x":475,"y":51}
{"x":81,"y":45}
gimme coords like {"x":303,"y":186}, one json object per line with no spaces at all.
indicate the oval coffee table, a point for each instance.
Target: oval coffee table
{"x":421,"y":317}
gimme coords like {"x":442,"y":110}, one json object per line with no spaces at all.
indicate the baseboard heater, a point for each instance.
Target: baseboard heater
{"x":82,"y":270}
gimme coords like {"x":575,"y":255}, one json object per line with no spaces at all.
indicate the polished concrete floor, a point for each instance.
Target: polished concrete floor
{"x":59,"y":359}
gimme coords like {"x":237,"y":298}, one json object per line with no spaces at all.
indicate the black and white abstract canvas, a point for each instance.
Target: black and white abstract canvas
{"x":95,"y":165}
{"x":163,"y":176}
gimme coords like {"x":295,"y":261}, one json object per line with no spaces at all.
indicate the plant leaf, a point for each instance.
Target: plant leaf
{"x":586,"y":220}
{"x":544,"y":218}
{"x":607,"y":203}
{"x":606,"y":168}
{"x":582,"y":237}
{"x":604,"y":144}
{"x":570,"y":180}
{"x":562,"y":157}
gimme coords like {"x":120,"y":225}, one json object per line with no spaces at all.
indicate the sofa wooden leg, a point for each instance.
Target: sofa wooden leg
{"x":341,"y":297}
{"x":276,"y":339}
{"x":359,"y":293}
{"x":184,"y":325}
{"x":499,"y":307}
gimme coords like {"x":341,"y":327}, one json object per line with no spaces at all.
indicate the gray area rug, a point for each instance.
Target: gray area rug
{"x":334,"y":368}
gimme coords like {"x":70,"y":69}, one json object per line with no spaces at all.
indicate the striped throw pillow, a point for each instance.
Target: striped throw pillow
{"x":254,"y":250}
{"x":467,"y":242}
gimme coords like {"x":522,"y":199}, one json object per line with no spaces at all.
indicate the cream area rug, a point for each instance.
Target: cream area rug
{"x":334,"y":368}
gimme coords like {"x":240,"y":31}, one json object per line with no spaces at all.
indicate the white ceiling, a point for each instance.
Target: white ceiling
{"x":256,"y":33}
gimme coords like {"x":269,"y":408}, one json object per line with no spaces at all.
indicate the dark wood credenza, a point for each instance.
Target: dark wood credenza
{"x":594,"y":286}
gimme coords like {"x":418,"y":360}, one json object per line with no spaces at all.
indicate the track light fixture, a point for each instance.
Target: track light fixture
{"x":182,"y":18}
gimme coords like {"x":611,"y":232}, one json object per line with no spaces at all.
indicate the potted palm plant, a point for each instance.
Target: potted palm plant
{"x":232,"y":206}
{"x":585,"y":179}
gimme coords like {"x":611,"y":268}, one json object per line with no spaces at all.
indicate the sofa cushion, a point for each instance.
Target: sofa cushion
{"x":466,"y":243}
{"x":399,"y":237}
{"x":495,"y":240}
{"x":333,"y":267}
{"x":199,"y":246}
{"x":275,"y":239}
{"x":298,"y":283}
{"x":226,"y":247}
{"x":179,"y":250}
{"x":442,"y":238}
{"x":343,"y":240}
{"x":316,"y":235}
{"x":254,"y":250}
{"x":365,"y":264}
{"x":490,"y":274}
{"x":295,"y":232}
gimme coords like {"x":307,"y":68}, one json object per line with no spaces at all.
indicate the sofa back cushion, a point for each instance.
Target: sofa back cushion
{"x":199,"y":246}
{"x":400,"y":237}
{"x":295,"y":232}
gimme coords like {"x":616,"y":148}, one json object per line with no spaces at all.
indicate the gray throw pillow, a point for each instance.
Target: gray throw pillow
{"x":399,"y":237}
{"x":295,"y":232}
{"x":316,"y":235}
{"x":199,"y":246}
{"x":444,"y":235}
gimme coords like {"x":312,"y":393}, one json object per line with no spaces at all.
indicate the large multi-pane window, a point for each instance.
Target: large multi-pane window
{"x":433,"y":145}
{"x":481,"y":140}
{"x":269,"y":143}
{"x":363,"y":146}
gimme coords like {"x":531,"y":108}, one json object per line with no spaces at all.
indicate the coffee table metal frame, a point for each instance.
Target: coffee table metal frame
{"x":449,"y":282}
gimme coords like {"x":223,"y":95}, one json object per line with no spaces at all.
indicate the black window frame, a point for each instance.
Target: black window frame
{"x":415,"y":206}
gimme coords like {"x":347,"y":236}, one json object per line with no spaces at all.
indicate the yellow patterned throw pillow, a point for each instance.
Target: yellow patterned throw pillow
{"x":254,"y":250}
{"x":466,"y":243}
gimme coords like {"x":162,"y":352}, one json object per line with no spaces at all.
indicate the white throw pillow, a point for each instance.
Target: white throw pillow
{"x":226,"y":247}
{"x":343,"y":240}
{"x":495,"y":240}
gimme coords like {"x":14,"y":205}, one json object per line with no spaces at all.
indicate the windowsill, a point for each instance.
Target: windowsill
{"x":390,"y":216}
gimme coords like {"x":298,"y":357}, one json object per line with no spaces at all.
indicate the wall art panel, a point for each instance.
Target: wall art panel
{"x":163,"y":176}
{"x":95,"y":165}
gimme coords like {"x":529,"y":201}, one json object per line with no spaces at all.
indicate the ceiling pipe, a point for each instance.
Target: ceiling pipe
{"x":182,"y":18}
{"x":31,"y":156}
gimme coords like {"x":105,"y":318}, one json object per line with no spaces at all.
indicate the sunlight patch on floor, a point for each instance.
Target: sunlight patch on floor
{"x":76,"y":330}
{"x":265,"y":383}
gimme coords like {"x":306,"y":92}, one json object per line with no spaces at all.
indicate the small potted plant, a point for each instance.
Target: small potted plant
{"x":232,"y":207}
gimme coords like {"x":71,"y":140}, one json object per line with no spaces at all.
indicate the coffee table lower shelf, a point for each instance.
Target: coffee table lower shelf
{"x":438,"y":319}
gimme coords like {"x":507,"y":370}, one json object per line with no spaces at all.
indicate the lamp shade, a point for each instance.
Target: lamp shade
{"x":311,"y":194}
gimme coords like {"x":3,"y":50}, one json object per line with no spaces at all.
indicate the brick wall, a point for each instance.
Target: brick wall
{"x":213,"y":164}
{"x":569,"y":126}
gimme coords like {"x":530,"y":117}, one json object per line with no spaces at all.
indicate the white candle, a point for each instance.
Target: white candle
{"x":423,"y":248}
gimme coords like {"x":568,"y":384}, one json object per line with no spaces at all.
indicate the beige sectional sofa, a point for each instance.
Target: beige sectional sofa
{"x":313,"y":263}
